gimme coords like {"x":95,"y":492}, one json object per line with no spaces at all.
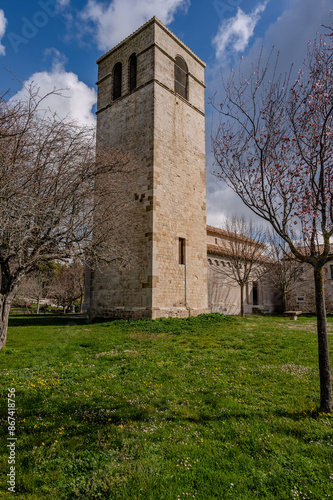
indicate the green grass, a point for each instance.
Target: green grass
{"x":205,"y":408}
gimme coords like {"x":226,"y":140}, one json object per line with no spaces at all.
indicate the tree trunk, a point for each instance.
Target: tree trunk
{"x":7,"y":293}
{"x":38,"y":302}
{"x":5,"y":303}
{"x":284,"y":301}
{"x":323,"y":349}
{"x":242,"y":301}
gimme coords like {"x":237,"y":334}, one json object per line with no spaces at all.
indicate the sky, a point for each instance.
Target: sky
{"x":55,"y":43}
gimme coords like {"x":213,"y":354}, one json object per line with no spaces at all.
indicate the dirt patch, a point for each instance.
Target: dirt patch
{"x":296,"y":370}
{"x":309,"y":327}
{"x":112,"y":353}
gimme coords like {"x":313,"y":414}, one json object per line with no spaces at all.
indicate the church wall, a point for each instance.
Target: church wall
{"x":180,"y":209}
{"x":167,"y":48}
{"x":141,"y":43}
{"x":224,"y":292}
{"x":163,"y":182}
{"x":179,"y":187}
{"x":302,"y":297}
{"x":127,"y":124}
{"x":223,"y":295}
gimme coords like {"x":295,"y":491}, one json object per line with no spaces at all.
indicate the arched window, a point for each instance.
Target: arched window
{"x":132,"y":72}
{"x":181,"y":77}
{"x":117,"y":77}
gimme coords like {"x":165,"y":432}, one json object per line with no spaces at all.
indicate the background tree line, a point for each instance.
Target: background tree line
{"x":53,"y":284}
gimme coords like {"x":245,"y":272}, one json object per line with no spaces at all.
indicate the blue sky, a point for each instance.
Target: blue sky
{"x":56,"y":43}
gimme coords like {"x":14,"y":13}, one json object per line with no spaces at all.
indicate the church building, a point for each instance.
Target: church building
{"x":151,"y":105}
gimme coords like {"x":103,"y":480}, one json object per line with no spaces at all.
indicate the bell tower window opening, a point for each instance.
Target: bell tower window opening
{"x":181,"y":77}
{"x":117,"y":78}
{"x":132,"y":72}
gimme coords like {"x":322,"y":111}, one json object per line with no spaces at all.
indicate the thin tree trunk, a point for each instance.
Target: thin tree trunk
{"x":284,"y":301}
{"x":7,"y":292}
{"x":323,"y":349}
{"x":38,"y":302}
{"x":242,"y":301}
{"x":5,"y":304}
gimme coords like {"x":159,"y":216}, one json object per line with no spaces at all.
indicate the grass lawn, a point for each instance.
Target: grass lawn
{"x":205,"y":408}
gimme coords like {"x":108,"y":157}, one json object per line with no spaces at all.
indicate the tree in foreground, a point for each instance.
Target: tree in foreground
{"x":243,"y":246}
{"x":274,"y":147}
{"x":48,"y":194}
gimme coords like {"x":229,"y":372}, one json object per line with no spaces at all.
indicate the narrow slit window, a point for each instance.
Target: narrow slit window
{"x":255,"y":291}
{"x":181,"y":77}
{"x":117,"y":78}
{"x":181,"y":251}
{"x":132,"y":72}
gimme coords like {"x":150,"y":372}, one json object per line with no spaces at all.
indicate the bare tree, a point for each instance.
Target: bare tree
{"x":282,"y":269}
{"x":48,"y":195}
{"x":34,"y":285}
{"x":67,"y":287}
{"x":243,"y":246}
{"x":274,"y":146}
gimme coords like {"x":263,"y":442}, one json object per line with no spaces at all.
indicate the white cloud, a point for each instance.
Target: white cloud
{"x":236,"y":32}
{"x":63,"y":3}
{"x":76,"y":100}
{"x":222,"y":202}
{"x":297,"y":23}
{"x":3,"y":24}
{"x":114,"y":21}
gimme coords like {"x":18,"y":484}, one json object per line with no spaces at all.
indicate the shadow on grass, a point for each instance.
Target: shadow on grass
{"x":296,"y":416}
{"x":52,"y":320}
{"x":127,"y":412}
{"x":299,"y":415}
{"x":160,"y":325}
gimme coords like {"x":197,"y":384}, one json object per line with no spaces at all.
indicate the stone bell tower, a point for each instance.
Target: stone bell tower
{"x":151,"y":106}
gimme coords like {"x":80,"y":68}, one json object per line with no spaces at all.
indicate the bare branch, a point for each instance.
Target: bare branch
{"x":56,"y":196}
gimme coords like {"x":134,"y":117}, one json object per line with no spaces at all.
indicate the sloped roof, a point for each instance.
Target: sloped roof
{"x":154,"y":19}
{"x":222,"y":233}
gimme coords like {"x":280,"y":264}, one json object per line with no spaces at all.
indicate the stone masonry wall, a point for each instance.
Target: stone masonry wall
{"x":302,"y":297}
{"x":163,"y":136}
{"x":224,"y":293}
{"x":127,"y":124}
{"x":179,"y":184}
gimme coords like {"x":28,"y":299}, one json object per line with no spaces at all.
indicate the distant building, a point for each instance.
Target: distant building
{"x":302,"y":297}
{"x":260,"y":295}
